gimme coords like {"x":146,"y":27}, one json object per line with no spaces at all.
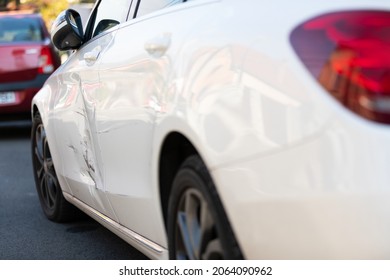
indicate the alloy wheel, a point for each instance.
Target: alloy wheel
{"x":196,"y":235}
{"x":45,"y":173}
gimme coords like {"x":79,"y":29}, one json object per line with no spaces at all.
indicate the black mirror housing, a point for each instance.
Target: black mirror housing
{"x":67,"y":31}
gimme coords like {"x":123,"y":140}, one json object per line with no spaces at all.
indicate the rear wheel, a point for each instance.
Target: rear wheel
{"x":197,"y":224}
{"x":52,"y":201}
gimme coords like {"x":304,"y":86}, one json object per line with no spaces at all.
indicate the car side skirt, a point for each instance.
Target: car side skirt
{"x":146,"y":246}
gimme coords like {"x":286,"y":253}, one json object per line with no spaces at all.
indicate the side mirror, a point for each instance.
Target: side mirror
{"x":67,"y":31}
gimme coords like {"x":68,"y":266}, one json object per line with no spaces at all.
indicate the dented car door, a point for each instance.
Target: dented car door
{"x":75,"y":114}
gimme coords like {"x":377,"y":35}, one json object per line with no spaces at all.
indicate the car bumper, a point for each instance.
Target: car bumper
{"x":24,"y":93}
{"x":324,"y":198}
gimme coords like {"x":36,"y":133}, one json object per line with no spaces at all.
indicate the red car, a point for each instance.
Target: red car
{"x":27,"y":59}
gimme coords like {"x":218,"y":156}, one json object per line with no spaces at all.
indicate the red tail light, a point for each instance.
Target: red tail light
{"x":349,"y":54}
{"x":46,"y":63}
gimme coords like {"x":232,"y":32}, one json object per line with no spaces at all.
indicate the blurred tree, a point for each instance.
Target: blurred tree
{"x":48,"y":8}
{"x":6,"y":4}
{"x":3,"y":4}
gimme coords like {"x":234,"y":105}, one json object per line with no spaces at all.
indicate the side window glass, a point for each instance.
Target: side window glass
{"x":104,"y":25}
{"x":148,"y":6}
{"x":109,"y":14}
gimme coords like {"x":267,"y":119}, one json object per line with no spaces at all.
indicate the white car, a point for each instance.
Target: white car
{"x":222,"y":129}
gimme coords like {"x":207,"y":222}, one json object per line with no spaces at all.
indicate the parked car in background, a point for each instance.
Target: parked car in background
{"x":222,"y":129}
{"x":27,"y":58}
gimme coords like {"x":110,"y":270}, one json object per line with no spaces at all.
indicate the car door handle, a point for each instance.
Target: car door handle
{"x":158,"y":46}
{"x":92,"y":56}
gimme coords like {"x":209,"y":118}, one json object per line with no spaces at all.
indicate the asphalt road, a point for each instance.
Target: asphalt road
{"x":25,"y":234}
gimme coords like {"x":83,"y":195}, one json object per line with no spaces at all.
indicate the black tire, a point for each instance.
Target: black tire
{"x":52,"y":201}
{"x":198,"y":227}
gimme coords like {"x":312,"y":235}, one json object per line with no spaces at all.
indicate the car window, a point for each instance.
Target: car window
{"x":20,"y":30}
{"x":148,"y":6}
{"x":109,"y":14}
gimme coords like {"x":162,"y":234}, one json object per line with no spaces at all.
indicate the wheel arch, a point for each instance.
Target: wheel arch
{"x":34,"y":110}
{"x":174,"y":150}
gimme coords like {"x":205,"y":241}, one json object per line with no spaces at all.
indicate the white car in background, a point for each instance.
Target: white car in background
{"x":222,"y":129}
